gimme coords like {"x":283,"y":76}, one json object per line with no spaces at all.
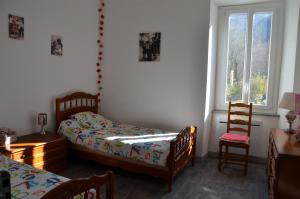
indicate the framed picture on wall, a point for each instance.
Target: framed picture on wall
{"x":149,"y":46}
{"x":16,"y":27}
{"x":56,"y":45}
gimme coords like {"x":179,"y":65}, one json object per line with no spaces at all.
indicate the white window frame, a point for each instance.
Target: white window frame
{"x":275,"y":52}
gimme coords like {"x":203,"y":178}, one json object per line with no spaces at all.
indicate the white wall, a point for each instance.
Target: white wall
{"x":30,"y":77}
{"x":289,"y":54}
{"x":211,"y":75}
{"x":297,"y":63}
{"x":169,"y":94}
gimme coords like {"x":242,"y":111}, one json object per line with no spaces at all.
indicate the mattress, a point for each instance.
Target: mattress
{"x":151,"y":146}
{"x":28,"y":182}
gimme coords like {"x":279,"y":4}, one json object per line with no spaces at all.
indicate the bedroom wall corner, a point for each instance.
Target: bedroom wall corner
{"x":288,"y":66}
{"x":211,"y":73}
{"x":297,"y":65}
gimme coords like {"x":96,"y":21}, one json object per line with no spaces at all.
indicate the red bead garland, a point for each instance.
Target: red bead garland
{"x":100,"y":45}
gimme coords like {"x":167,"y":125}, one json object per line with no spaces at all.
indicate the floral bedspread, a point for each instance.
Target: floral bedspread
{"x":143,"y":144}
{"x":28,"y":182}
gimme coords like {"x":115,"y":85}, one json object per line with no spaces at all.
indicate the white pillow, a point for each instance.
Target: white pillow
{"x":91,"y":120}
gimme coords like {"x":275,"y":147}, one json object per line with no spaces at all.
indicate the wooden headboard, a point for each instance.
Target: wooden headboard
{"x":75,"y":103}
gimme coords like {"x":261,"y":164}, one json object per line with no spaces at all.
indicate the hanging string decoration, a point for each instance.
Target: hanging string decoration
{"x":100,"y":47}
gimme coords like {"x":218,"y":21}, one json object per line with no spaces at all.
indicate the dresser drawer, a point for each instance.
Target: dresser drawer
{"x":53,"y":145}
{"x":40,"y":157}
{"x":35,"y":151}
{"x":57,"y":163}
{"x":55,"y":166}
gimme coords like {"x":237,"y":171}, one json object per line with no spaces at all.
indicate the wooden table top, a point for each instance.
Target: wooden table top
{"x":30,"y":141}
{"x":285,"y":143}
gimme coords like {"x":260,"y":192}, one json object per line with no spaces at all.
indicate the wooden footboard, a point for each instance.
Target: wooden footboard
{"x":182,"y":151}
{"x":83,"y":186}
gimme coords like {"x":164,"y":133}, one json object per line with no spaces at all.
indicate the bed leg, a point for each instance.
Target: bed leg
{"x":194,"y":145}
{"x":170,"y":184}
{"x":193,"y":161}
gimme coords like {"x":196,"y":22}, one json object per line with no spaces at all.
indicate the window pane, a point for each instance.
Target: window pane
{"x":237,"y":35}
{"x":260,"y":55}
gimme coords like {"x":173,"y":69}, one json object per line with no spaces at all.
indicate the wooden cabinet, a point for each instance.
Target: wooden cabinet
{"x":47,"y":152}
{"x":283,"y":169}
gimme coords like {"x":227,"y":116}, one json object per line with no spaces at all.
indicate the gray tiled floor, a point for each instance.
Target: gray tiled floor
{"x":201,"y":181}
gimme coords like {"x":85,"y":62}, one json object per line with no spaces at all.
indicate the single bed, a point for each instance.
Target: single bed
{"x":102,"y":144}
{"x":27,"y":182}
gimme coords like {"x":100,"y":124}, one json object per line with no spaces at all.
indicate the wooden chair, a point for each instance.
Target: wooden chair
{"x":238,"y":124}
{"x":83,"y":186}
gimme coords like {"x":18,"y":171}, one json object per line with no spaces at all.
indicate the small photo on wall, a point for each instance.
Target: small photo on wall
{"x":16,"y":27}
{"x":56,"y":45}
{"x":149,"y":49}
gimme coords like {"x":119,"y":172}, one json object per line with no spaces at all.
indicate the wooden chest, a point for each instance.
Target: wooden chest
{"x":47,"y":152}
{"x":283,"y":166}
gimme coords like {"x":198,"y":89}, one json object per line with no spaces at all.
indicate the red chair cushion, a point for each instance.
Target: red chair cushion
{"x":235,"y":138}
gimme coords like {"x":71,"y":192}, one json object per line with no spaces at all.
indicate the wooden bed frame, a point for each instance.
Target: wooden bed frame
{"x":182,"y":149}
{"x":69,"y":189}
{"x":75,"y":187}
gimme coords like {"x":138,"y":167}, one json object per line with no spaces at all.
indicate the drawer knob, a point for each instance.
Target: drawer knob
{"x":23,"y":156}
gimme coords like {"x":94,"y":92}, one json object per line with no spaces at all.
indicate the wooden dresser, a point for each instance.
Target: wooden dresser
{"x":283,"y":168}
{"x":47,"y":152}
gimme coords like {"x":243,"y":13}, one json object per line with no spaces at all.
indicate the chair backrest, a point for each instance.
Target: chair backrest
{"x":239,"y":118}
{"x":84,"y":187}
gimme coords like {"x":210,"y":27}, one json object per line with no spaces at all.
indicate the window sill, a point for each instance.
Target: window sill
{"x":254,"y":113}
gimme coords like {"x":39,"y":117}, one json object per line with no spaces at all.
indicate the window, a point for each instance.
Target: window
{"x":248,"y":60}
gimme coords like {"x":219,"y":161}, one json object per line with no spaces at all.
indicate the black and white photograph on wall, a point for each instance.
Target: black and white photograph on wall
{"x":15,"y":27}
{"x":149,"y":46}
{"x":56,"y":45}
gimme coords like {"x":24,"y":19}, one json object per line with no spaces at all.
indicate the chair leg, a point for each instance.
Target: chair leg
{"x":220,"y":157}
{"x":246,"y":163}
{"x":226,"y":157}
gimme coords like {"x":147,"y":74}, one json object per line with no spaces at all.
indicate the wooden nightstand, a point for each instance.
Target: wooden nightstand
{"x":283,"y":165}
{"x":47,"y":152}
